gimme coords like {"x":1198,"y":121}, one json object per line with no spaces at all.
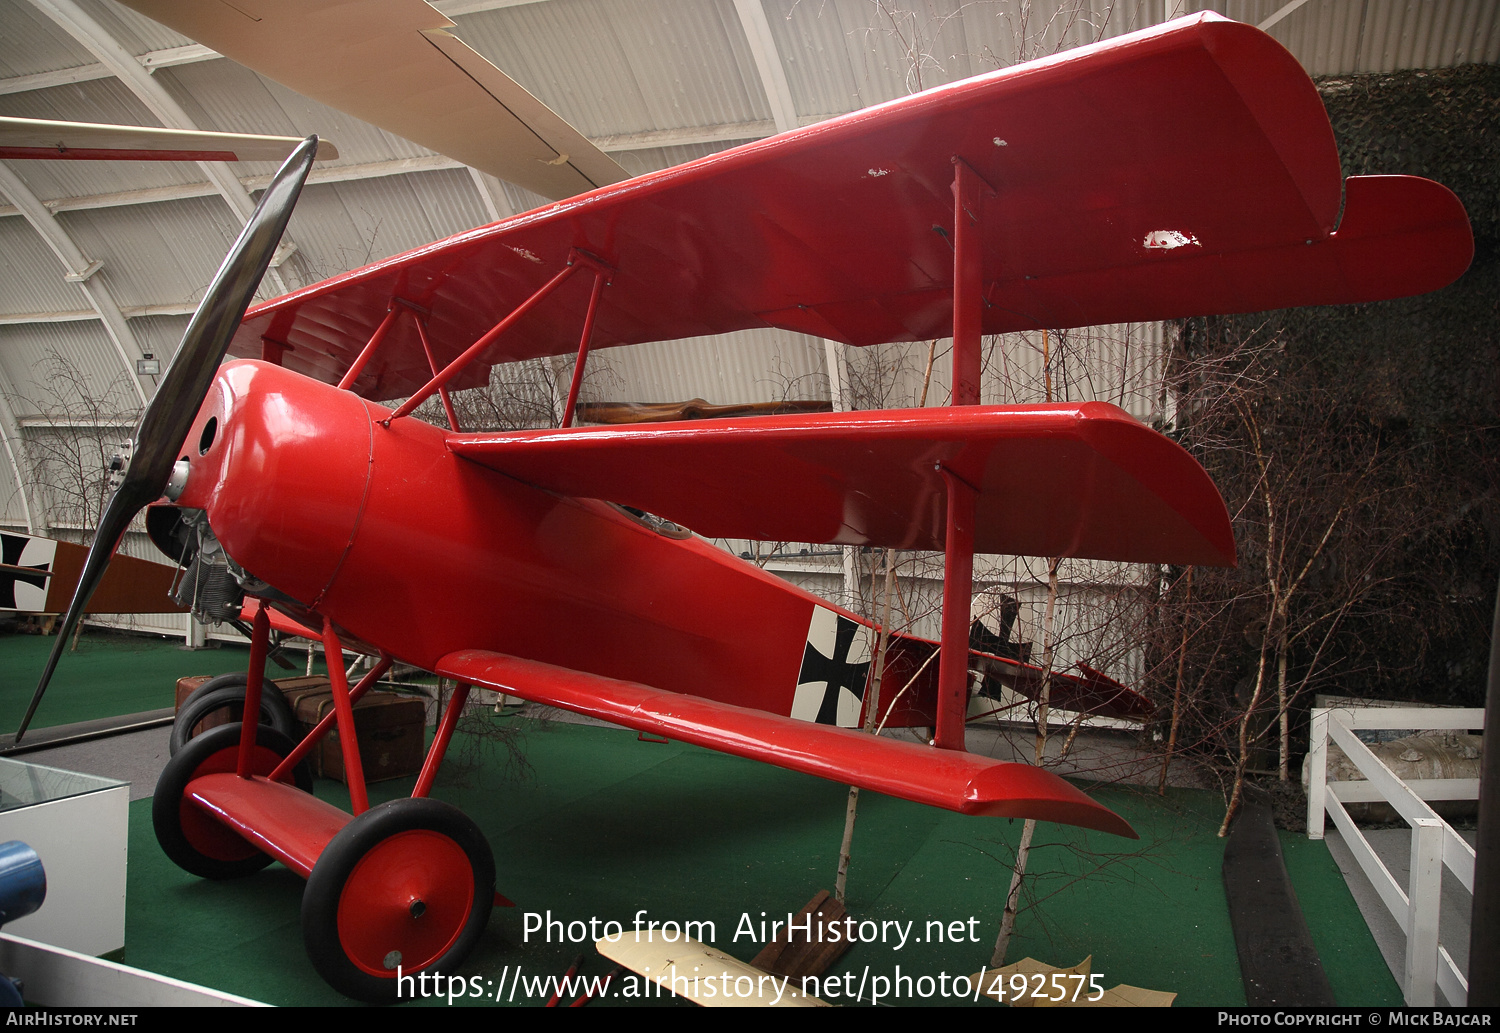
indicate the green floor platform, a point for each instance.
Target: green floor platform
{"x":108,"y":675}
{"x":607,"y":827}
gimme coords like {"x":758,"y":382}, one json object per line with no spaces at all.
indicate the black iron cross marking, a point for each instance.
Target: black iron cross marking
{"x":11,"y":547}
{"x":836,"y":670}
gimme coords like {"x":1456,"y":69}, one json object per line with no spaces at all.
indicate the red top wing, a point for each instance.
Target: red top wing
{"x":1053,"y":480}
{"x":1178,"y":171}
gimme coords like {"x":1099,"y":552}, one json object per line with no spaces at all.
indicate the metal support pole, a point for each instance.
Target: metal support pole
{"x":968,"y":281}
{"x":260,"y":638}
{"x":958,"y":541}
{"x":440,"y":740}
{"x":312,"y":738}
{"x":432,"y":365}
{"x":369,"y":348}
{"x":479,"y":346}
{"x":583,"y":349}
{"x":354,"y":772}
{"x":1484,"y":924}
{"x":273,"y":351}
{"x":958,"y":590}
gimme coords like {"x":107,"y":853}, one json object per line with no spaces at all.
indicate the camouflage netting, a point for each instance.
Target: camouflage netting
{"x":1398,"y":403}
{"x":1429,"y":360}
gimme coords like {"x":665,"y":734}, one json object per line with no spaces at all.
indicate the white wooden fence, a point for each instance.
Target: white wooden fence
{"x":1434,"y":844}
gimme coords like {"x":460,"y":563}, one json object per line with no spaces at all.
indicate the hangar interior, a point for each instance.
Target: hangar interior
{"x":102,"y":265}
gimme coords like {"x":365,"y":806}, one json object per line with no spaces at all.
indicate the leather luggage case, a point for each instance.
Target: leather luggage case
{"x":296,"y":690}
{"x":189,"y":684}
{"x":391,"y":729}
{"x":291,"y":688}
{"x":186,"y":687}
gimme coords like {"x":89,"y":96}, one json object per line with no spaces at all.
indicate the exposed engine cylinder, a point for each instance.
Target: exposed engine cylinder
{"x":209,"y":588}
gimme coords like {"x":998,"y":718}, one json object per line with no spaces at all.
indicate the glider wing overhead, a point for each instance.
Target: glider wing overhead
{"x":394,"y":64}
{"x":1061,"y":480}
{"x":1183,"y":170}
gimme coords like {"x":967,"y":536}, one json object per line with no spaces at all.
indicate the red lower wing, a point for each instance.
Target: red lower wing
{"x":951,"y":780}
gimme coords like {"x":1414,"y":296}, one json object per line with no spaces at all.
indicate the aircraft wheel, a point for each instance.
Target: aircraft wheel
{"x":195,"y":841}
{"x":228,"y":691}
{"x":409,"y":883}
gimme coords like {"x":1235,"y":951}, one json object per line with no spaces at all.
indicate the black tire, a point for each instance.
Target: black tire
{"x":227,"y":691}
{"x":195,"y":841}
{"x":410,"y":883}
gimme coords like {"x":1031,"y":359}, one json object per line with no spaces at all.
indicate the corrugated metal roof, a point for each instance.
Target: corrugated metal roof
{"x":31,"y":277}
{"x":45,"y":362}
{"x":168,"y":259}
{"x":601,"y":66}
{"x":32,"y":43}
{"x":748,"y":366}
{"x":135,"y":32}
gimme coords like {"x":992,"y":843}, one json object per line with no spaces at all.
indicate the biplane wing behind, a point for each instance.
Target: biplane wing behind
{"x":1181,"y":170}
{"x":394,"y":64}
{"x":39,"y":575}
{"x":24,"y":138}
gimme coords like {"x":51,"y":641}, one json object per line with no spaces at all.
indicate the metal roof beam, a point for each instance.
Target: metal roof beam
{"x":1279,"y":14}
{"x":83,"y":315}
{"x":80,"y":270}
{"x":43,"y":422}
{"x":496,"y":205}
{"x":151,"y":60}
{"x":14,"y":445}
{"x":768,"y":63}
{"x":121,"y":63}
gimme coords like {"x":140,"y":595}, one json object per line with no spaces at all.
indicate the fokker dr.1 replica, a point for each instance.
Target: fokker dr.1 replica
{"x":1182,"y":170}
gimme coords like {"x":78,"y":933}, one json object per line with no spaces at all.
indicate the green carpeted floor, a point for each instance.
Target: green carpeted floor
{"x":108,"y":675}
{"x":605,"y":827}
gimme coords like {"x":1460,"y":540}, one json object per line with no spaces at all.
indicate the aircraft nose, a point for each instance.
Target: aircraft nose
{"x":279,"y":463}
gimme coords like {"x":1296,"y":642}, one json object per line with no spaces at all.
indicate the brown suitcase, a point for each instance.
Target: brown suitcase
{"x":291,"y":688}
{"x":186,"y":687}
{"x":391,"y":729}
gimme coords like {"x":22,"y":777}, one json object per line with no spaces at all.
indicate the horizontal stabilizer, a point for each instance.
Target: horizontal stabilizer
{"x":1083,"y":480}
{"x":1087,"y":692}
{"x":948,"y":779}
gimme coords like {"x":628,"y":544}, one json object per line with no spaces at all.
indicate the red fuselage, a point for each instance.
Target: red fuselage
{"x":406,"y":546}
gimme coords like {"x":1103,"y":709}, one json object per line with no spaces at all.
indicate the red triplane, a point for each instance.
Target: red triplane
{"x":1182,"y":170}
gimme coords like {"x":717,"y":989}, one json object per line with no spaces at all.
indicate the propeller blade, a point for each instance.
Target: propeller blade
{"x":165,"y":423}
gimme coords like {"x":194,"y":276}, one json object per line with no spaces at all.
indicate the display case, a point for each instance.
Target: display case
{"x":78,"y":825}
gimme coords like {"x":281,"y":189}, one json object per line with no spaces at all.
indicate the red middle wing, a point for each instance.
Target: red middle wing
{"x":1067,"y":480}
